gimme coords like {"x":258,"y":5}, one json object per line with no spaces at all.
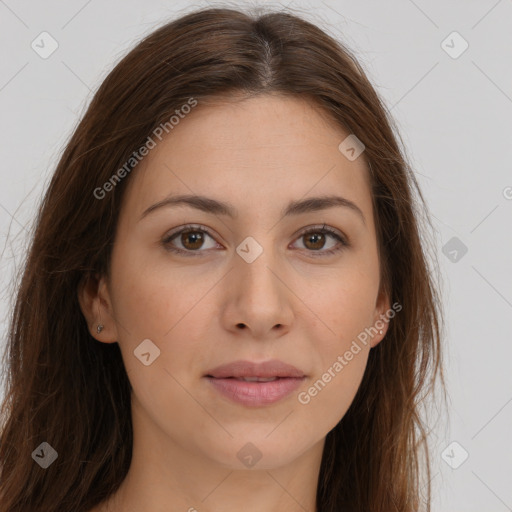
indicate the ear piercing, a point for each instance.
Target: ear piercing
{"x":380,"y":332}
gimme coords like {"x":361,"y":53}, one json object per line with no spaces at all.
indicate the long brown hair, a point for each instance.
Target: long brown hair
{"x":68,"y":390}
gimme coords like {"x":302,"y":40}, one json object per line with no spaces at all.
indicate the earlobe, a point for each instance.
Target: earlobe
{"x":381,"y":319}
{"x":94,"y":303}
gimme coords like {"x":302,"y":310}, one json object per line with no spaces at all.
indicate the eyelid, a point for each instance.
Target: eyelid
{"x":323,"y":227}
{"x":180,"y":229}
{"x":188,"y":227}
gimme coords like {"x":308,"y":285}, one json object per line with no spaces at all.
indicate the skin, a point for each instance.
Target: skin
{"x":295,"y":305}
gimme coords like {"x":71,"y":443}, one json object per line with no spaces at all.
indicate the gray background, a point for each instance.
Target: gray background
{"x":454,"y":115}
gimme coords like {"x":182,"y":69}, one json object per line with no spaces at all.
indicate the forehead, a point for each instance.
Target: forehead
{"x":261,"y":150}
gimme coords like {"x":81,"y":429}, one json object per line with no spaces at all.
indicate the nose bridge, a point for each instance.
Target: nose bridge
{"x":256,"y":279}
{"x":258,"y":290}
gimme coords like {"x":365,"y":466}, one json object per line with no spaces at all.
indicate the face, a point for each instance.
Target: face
{"x":192,"y":289}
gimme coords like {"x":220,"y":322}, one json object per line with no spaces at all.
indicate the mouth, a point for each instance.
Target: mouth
{"x":273,"y":369}
{"x":255,"y":384}
{"x":251,"y":379}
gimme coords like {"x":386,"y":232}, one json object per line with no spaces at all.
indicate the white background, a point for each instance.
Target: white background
{"x":454,"y":115}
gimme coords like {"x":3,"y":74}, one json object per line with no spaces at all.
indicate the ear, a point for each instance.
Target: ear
{"x":381,"y":317}
{"x":96,"y":306}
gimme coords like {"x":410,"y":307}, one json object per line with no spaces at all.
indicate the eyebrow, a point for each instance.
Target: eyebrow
{"x":209,"y":205}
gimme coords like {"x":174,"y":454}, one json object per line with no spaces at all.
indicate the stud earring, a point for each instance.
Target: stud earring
{"x":381,"y":331}
{"x":99,"y":328}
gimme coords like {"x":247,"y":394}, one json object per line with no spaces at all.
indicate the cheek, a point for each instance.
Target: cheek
{"x":154,"y":306}
{"x":344,"y":310}
{"x":167,"y":307}
{"x":152,"y":299}
{"x":330,"y":392}
{"x":344,"y":305}
{"x":342,"y":362}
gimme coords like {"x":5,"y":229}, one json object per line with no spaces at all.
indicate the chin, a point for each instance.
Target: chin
{"x":257,"y":452}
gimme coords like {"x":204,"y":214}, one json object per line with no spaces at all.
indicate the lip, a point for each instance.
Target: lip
{"x":266,"y":369}
{"x":225,"y":380}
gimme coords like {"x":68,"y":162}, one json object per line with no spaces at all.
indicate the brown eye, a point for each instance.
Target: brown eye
{"x":189,"y":241}
{"x":192,"y":239}
{"x":314,"y":241}
{"x":317,"y":240}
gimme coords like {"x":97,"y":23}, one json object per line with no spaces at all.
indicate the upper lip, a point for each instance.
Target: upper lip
{"x":266,"y":369}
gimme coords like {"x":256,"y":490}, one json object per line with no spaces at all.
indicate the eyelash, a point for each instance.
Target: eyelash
{"x":166,"y":242}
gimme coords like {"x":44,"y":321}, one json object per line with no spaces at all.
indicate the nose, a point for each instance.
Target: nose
{"x":258,"y":298}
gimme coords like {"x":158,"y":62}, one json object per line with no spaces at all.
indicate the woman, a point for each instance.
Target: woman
{"x":227,"y":302}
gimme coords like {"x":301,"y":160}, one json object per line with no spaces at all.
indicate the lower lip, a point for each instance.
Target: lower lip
{"x":256,"y":393}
